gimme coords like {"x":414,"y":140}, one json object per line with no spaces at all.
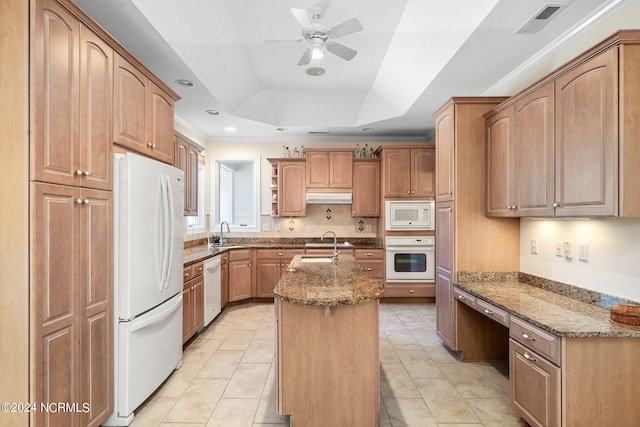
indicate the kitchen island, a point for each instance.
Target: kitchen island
{"x":327,"y":361}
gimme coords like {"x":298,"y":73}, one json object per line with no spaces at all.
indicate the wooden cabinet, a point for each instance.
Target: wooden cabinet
{"x":574,"y":138}
{"x":408,"y":172}
{"x":72,"y":306}
{"x":372,"y":262}
{"x":270,"y":265}
{"x":366,"y":188}
{"x":586,"y":137}
{"x":240,"y":273}
{"x":142,"y":113}
{"x":460,"y":208}
{"x":329,"y":169}
{"x":192,"y":300}
{"x":288,"y":194}
{"x":72,"y":102}
{"x":187,"y":159}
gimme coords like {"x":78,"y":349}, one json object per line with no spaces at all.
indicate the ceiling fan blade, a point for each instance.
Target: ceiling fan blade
{"x":303,"y":17}
{"x":347,"y":27}
{"x":284,"y":40}
{"x":306,"y":57}
{"x":340,"y":50}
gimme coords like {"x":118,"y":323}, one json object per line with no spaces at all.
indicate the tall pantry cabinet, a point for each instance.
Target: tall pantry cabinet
{"x":57,"y":112}
{"x":467,"y":241}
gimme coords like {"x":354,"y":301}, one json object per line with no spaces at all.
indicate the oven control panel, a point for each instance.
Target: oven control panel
{"x":410,"y":241}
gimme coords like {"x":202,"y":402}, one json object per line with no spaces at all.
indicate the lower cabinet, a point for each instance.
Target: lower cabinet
{"x":239,"y":274}
{"x":372,"y":262}
{"x":534,"y":384}
{"x":71,"y":332}
{"x":192,"y":300}
{"x":270,"y":265}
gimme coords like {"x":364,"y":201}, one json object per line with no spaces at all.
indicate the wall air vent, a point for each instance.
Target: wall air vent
{"x":318,"y":132}
{"x":541,"y":18}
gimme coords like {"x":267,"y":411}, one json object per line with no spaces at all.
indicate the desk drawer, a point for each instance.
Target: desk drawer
{"x":493,"y":312}
{"x":464,"y":297}
{"x":536,"y":339}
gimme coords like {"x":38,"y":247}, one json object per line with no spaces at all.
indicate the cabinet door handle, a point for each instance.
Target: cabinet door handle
{"x":79,"y":172}
{"x":79,"y":201}
{"x":556,"y":204}
{"x":186,"y":274}
{"x":354,"y":211}
{"x":529,"y":358}
{"x":449,"y":193}
{"x":408,"y":192}
{"x":527,"y":337}
{"x":411,"y":291}
{"x":86,"y":201}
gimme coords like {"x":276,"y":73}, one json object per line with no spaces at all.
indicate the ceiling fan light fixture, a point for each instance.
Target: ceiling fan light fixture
{"x":317,"y":53}
{"x":316,"y":71}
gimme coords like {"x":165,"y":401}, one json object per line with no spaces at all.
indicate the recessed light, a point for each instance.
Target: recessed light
{"x":316,"y":71}
{"x":213,"y":112}
{"x":186,"y":83}
{"x":281,"y":129}
{"x":230,"y":129}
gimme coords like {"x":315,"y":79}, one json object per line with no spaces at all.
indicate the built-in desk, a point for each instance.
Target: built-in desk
{"x":568,"y":365}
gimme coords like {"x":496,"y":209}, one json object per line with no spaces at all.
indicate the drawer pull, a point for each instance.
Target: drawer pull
{"x":529,"y":358}
{"x":368,"y":268}
{"x":527,"y":337}
{"x":186,"y":274}
{"x":280,"y":254}
{"x":411,"y":291}
{"x":488,"y":312}
{"x":461,"y":297}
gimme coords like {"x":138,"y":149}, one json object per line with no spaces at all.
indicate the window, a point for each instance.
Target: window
{"x":196,"y":224}
{"x":236,"y":189}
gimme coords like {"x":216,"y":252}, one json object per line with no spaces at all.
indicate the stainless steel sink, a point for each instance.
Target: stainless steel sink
{"x":328,"y":245}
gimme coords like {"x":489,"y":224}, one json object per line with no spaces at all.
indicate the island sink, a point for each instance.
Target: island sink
{"x":311,"y":258}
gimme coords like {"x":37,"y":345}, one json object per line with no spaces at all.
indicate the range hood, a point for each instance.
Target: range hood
{"x":329,"y":198}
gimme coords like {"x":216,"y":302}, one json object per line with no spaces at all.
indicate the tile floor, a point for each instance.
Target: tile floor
{"x":227,"y":378}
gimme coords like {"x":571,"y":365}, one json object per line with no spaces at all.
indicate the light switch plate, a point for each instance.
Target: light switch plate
{"x":266,"y":226}
{"x":583,"y":252}
{"x":568,"y":249}
{"x":559,"y":249}
{"x":277,"y":227}
{"x":534,"y":246}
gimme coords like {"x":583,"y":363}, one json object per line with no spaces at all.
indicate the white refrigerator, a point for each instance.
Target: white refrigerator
{"x":148,"y":215}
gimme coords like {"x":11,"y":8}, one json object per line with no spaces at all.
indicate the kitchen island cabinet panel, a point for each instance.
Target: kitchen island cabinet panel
{"x":270,"y":265}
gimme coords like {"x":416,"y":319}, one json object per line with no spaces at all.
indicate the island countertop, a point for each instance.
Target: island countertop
{"x":329,"y":284}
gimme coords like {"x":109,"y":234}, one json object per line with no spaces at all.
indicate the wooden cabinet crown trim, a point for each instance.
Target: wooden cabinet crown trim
{"x":115,"y":44}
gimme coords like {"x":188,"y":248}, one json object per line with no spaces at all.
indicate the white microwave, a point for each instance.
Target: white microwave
{"x":410,"y":215}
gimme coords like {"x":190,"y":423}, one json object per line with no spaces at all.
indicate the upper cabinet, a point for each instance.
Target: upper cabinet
{"x":187,"y":159}
{"x":520,"y":157}
{"x":143,"y":113}
{"x":366,"y":188}
{"x":329,"y":168}
{"x":408,"y":172}
{"x":445,"y":155}
{"x":288,"y":187}
{"x":573,"y":139}
{"x":72,"y":78}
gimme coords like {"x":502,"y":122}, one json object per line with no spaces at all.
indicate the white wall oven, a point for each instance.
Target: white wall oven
{"x":409,"y":215}
{"x":410,"y":259}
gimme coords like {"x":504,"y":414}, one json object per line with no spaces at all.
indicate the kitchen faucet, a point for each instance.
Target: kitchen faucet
{"x":228,"y":231}
{"x":334,"y":257}
{"x":210,"y":239}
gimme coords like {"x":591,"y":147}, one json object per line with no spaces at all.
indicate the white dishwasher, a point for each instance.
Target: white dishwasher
{"x":212,"y":298}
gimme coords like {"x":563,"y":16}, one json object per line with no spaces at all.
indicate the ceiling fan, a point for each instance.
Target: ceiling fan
{"x":317,"y":35}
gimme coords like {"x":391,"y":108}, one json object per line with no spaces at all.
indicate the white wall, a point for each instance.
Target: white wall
{"x":613,"y":265}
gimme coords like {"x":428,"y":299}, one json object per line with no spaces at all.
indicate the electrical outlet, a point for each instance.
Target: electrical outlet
{"x":583,"y":252}
{"x":534,"y":246}
{"x":277,"y":227}
{"x":568,"y":249}
{"x":559,"y":249}
{"x":266,"y":226}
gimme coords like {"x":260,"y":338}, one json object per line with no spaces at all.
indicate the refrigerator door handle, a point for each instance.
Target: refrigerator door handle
{"x":166,"y":241}
{"x":170,"y":230}
{"x":157,"y":318}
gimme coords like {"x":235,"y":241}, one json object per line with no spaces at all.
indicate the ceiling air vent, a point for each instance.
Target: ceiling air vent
{"x":541,"y":18}
{"x":318,"y":132}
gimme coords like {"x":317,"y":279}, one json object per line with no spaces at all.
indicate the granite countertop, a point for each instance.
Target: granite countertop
{"x":558,"y":314}
{"x":202,"y":252}
{"x":328,"y":284}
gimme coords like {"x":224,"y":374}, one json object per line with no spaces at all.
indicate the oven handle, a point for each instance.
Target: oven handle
{"x":429,"y":248}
